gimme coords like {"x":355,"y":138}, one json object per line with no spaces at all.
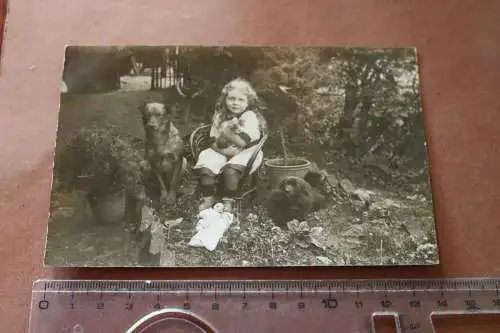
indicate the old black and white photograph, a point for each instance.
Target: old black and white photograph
{"x":240,"y":156}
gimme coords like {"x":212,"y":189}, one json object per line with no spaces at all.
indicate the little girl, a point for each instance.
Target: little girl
{"x":230,"y":153}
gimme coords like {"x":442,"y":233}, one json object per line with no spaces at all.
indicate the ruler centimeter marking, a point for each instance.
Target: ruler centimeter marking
{"x":255,"y":305}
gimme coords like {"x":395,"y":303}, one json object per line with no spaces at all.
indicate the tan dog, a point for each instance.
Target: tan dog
{"x":164,"y":149}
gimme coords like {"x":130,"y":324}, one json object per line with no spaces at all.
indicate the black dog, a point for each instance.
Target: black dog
{"x":164,"y":149}
{"x":294,"y":198}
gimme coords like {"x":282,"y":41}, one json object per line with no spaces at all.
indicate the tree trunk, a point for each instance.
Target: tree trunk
{"x":366,"y":105}
{"x":367,"y":100}
{"x":350,"y":104}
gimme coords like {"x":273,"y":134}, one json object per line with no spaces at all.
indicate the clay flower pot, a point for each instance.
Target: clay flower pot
{"x":277,"y":169}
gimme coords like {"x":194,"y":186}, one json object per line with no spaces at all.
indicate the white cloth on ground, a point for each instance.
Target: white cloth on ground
{"x":210,"y":228}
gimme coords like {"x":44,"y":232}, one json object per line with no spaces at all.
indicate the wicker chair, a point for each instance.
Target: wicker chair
{"x":200,"y":140}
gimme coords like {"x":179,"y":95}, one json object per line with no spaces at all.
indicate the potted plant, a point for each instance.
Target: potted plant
{"x":283,"y":111}
{"x":106,"y":166}
{"x":282,"y":167}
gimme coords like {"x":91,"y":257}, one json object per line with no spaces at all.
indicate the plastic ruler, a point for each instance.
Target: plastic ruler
{"x":350,"y":306}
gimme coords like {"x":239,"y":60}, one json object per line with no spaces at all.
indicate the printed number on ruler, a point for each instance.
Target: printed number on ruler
{"x":250,"y":306}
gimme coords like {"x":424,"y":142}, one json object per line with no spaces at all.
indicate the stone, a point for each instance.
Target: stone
{"x":347,"y":186}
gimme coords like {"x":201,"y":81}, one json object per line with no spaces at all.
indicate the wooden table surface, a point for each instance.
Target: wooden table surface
{"x":459,"y":52}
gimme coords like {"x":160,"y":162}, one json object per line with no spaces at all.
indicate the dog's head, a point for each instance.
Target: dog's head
{"x":293,"y":186}
{"x":155,"y":116}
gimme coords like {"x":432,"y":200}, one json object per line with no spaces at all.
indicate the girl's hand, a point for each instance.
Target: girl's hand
{"x":229,"y":151}
{"x":237,"y":141}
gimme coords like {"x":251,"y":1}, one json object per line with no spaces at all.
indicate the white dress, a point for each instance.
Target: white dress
{"x":215,"y":161}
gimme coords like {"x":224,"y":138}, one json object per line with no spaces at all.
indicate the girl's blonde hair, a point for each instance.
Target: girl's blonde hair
{"x":246,"y":88}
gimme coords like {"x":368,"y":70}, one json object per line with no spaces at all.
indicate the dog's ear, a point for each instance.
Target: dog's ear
{"x":142,"y":108}
{"x":166,"y":110}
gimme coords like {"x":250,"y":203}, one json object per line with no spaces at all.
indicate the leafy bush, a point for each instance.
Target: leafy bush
{"x":100,"y":161}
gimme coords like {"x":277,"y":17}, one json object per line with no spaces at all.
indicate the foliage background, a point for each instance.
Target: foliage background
{"x":359,"y":104}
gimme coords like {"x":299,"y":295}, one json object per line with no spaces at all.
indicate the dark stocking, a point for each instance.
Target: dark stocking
{"x":232,"y":177}
{"x":207,"y":182}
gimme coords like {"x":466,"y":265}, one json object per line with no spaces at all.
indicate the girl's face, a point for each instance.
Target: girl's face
{"x":236,"y":101}
{"x":219,"y":207}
